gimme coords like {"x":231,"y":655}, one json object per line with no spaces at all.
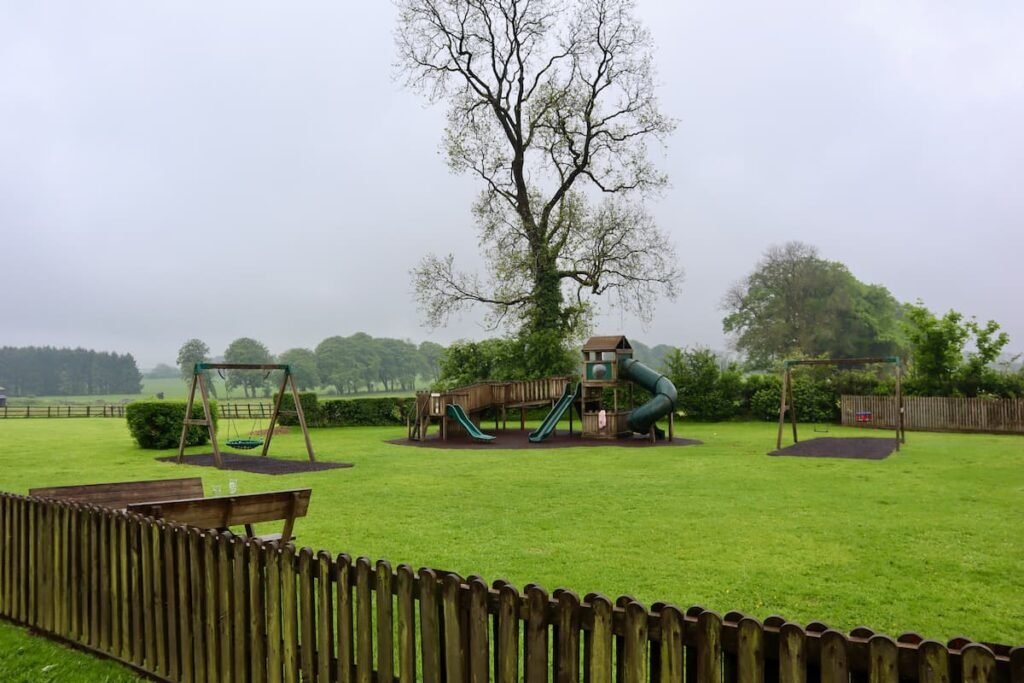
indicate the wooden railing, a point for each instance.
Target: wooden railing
{"x":936,"y":414}
{"x":487,"y":394}
{"x":107,"y":410}
{"x":188,"y":605}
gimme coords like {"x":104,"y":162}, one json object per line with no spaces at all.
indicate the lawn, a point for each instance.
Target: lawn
{"x":927,"y":540}
{"x":29,"y":659}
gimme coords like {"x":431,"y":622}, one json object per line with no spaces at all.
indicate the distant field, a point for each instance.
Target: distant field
{"x":172,"y":388}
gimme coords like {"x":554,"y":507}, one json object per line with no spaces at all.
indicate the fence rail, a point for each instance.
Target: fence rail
{"x":108,"y":410}
{"x":937,"y":414}
{"x":188,"y":605}
{"x":224,"y":409}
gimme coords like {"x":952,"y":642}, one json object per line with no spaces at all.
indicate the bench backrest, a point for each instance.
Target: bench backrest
{"x":226,"y":511}
{"x":122,"y":494}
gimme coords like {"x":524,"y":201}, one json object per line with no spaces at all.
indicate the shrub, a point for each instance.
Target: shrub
{"x":707,"y":390}
{"x":764,"y":404}
{"x":310,"y":410}
{"x":157,"y":424}
{"x":366,"y":412}
{"x":769,"y":384}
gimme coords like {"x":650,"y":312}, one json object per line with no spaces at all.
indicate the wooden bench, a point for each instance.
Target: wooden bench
{"x":224,"y":512}
{"x":119,"y":495}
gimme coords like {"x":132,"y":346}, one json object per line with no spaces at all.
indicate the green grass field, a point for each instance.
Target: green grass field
{"x":927,"y":540}
{"x":25,"y":658}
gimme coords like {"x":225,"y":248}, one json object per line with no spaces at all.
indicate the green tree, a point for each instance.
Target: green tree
{"x":304,"y":367}
{"x":400,"y":363}
{"x":251,"y":351}
{"x":191,"y":352}
{"x":431,"y":353}
{"x":162,"y":371}
{"x":333,"y":361}
{"x":550,"y":105}
{"x":467,"y":362}
{"x":708,"y":388}
{"x":795,"y":303}
{"x":942,"y":362}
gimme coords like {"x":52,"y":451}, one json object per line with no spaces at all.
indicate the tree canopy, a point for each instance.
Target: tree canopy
{"x":49,"y":371}
{"x":191,"y":352}
{"x":942,"y":360}
{"x":795,"y":303}
{"x":304,"y":368}
{"x":247,"y":350}
{"x":551,"y":104}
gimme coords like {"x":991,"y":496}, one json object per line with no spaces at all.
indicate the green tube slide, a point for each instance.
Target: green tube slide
{"x":459,"y":415}
{"x":569,"y":396}
{"x":643,"y":418}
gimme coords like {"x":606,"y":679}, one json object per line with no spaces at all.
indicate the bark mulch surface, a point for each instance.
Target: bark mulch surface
{"x":514,"y":438}
{"x":858,"y":448}
{"x":256,"y":463}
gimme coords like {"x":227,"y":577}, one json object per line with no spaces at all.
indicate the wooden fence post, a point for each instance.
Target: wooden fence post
{"x":406,"y":624}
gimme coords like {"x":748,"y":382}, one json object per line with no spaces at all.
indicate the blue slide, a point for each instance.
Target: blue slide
{"x":459,"y":415}
{"x":569,"y":396}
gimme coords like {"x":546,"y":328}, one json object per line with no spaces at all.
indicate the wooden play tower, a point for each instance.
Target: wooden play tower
{"x":601,"y":360}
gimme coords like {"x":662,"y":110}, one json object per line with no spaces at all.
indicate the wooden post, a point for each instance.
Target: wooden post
{"x":301,"y":415}
{"x":209,"y":419}
{"x":570,"y":417}
{"x":901,"y":434}
{"x":197,"y":381}
{"x":188,"y":416}
{"x":274,"y":414}
{"x":782,"y":407}
{"x":792,"y":404}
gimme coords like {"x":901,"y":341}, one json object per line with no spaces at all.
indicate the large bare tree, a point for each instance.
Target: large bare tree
{"x":551,"y":103}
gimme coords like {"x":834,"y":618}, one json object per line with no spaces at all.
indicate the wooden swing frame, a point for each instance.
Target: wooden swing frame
{"x":788,"y":403}
{"x":198,"y":381}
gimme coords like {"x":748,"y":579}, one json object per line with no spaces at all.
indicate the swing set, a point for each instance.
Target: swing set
{"x":788,"y":402}
{"x":236,"y":440}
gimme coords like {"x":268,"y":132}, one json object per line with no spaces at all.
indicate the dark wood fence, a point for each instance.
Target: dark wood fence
{"x":62,"y":411}
{"x":225,"y":410}
{"x":187,"y":605}
{"x":937,"y":414}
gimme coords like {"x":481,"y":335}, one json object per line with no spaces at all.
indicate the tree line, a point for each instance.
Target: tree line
{"x":50,"y":371}
{"x":342,"y":365}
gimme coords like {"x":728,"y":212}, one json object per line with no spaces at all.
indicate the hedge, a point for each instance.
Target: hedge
{"x":157,"y":424}
{"x":310,"y":410}
{"x":366,"y":412}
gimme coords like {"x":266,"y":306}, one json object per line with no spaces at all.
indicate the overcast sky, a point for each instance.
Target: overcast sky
{"x":222,"y":169}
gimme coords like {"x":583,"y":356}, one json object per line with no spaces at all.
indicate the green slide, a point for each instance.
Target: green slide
{"x":459,"y":415}
{"x":569,"y":396}
{"x":643,"y":418}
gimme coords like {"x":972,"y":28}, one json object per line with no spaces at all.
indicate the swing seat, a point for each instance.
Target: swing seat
{"x":244,"y":444}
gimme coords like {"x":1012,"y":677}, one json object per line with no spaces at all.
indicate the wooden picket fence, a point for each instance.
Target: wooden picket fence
{"x":181,"y":604}
{"x":937,"y":414}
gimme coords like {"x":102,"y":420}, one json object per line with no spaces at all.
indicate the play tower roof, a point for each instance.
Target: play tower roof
{"x":609,"y":343}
